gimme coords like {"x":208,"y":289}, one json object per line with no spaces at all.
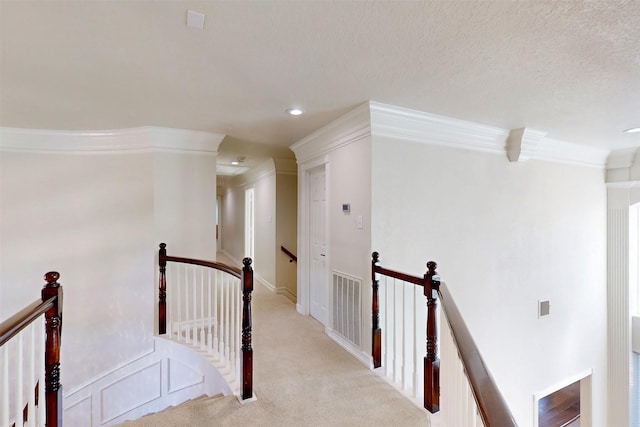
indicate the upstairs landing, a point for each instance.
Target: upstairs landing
{"x":301,"y":378}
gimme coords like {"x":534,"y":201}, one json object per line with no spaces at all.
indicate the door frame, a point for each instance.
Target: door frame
{"x":586,"y":397}
{"x":304,"y":240}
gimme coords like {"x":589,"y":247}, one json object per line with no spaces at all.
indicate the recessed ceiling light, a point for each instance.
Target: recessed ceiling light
{"x":295,"y":111}
{"x":633,"y":130}
{"x":235,"y":163}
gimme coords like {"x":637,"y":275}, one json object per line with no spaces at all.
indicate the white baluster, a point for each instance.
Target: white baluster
{"x":194,"y":329}
{"x":19,"y":394}
{"x":416,"y":345}
{"x":239,"y":328}
{"x":179,"y":297}
{"x":222,"y":337}
{"x":31,"y":378}
{"x":232,"y":336}
{"x":4,"y":395}
{"x":203,"y":341}
{"x":170,"y":300}
{"x":209,"y":319}
{"x":216,"y":324}
{"x":42,"y":406}
{"x":226,"y":321}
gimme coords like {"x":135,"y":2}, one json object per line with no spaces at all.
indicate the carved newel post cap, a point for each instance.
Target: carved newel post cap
{"x":52,"y":278}
{"x":247,"y":262}
{"x":431,"y":266}
{"x":375,"y":256}
{"x":163,"y":245}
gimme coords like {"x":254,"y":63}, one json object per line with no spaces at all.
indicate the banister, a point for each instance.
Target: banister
{"x":14,"y":324}
{"x":50,"y":305}
{"x":234,"y":271}
{"x":245,"y":330}
{"x":491,"y":404}
{"x":291,"y":256}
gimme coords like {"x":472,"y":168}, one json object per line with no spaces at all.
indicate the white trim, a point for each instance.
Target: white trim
{"x":89,"y":405}
{"x":286,"y":292}
{"x":345,"y":130}
{"x":233,"y":259}
{"x":523,"y":143}
{"x":264,"y":282}
{"x":432,"y":129}
{"x":623,"y":168}
{"x":109,"y":141}
{"x":426,"y":128}
{"x":585,"y":401}
{"x":350,"y":348}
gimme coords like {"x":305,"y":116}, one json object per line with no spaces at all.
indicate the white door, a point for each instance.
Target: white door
{"x":317,"y":239}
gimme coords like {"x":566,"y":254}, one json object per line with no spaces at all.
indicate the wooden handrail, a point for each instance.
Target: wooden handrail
{"x":491,"y":405}
{"x":234,"y":271}
{"x":291,"y":256}
{"x":14,"y":324}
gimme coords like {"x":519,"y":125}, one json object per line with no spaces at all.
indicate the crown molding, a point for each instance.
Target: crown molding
{"x":347,"y":129}
{"x":523,"y":143}
{"x":623,"y":168}
{"x":109,"y":141}
{"x":417,"y":126}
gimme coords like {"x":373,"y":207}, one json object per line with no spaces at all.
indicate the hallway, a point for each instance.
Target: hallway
{"x":301,"y":378}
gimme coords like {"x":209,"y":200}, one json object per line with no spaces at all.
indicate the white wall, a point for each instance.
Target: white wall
{"x":88,"y":206}
{"x":505,"y":235}
{"x":232,"y":221}
{"x":90,"y":218}
{"x":185,"y":203}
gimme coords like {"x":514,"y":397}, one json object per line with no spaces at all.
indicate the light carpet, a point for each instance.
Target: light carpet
{"x":301,"y":378}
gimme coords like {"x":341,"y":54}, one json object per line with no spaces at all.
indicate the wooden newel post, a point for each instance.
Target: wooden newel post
{"x":247,"y":350}
{"x":376,"y":332}
{"x":53,"y":328}
{"x":431,"y":360}
{"x":162,"y":292}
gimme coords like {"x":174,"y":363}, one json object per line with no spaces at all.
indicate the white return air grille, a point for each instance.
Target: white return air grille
{"x":347,"y":306}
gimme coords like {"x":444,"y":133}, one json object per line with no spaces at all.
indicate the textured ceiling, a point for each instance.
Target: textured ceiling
{"x":571,"y":69}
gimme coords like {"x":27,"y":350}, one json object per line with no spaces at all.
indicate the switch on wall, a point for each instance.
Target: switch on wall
{"x":544,"y":308}
{"x":359,"y":222}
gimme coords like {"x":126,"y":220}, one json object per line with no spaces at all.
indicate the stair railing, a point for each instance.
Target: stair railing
{"x":292,"y":257}
{"x":30,"y":390}
{"x":396,"y":309}
{"x":208,"y":306}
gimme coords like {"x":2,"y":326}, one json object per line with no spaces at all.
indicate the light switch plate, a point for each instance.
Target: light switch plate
{"x":544,"y":308}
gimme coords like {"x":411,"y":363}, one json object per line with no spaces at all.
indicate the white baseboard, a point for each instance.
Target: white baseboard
{"x":233,"y":259}
{"x":287,"y":293}
{"x":350,"y":348}
{"x":167,"y":375}
{"x":265,"y":283}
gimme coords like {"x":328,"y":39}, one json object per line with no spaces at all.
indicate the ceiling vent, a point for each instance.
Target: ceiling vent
{"x":195,"y":19}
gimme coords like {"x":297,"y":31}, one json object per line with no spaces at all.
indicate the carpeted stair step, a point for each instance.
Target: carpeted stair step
{"x":194,"y":412}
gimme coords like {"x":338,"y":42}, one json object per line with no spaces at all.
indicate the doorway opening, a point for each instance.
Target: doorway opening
{"x":568,"y":405}
{"x":249,"y":224}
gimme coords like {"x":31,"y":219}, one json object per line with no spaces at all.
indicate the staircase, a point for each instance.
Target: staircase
{"x":302,"y":378}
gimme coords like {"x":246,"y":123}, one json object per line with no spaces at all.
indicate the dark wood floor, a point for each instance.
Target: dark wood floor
{"x":557,"y":409}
